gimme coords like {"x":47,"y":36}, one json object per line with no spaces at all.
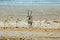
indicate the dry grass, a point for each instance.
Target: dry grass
{"x":38,"y":38}
{"x":30,"y":29}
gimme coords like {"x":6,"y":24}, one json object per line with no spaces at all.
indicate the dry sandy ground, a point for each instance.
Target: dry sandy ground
{"x":38,"y":11}
{"x":30,"y":33}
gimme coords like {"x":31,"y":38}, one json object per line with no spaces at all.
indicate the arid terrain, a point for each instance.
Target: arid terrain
{"x":39,"y":12}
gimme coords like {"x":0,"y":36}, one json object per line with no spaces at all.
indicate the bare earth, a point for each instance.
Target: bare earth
{"x":38,"y":12}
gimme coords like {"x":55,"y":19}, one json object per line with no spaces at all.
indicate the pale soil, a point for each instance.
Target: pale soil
{"x":30,"y":33}
{"x":38,"y":12}
{"x":20,"y":12}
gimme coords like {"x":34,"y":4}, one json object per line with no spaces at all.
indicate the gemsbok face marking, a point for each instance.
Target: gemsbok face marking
{"x":29,"y":17}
